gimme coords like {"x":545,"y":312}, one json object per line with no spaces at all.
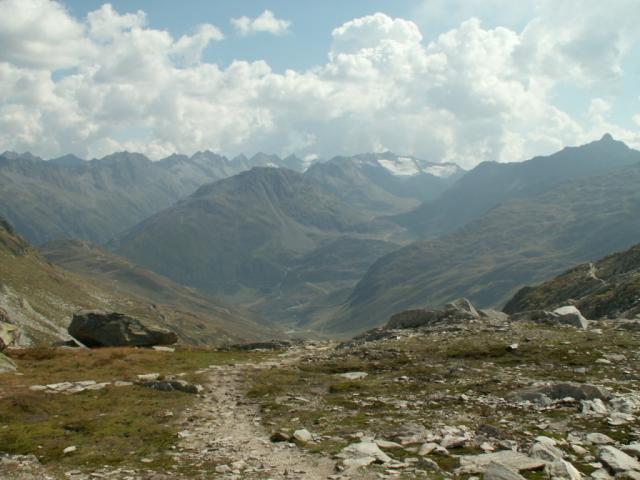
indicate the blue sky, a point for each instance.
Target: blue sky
{"x":446,"y":80}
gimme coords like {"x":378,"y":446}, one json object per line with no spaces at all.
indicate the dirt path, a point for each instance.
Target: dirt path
{"x":224,"y":428}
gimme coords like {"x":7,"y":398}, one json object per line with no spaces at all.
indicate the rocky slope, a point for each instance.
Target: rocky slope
{"x":608,"y":288}
{"x":519,"y":242}
{"x":41,"y":298}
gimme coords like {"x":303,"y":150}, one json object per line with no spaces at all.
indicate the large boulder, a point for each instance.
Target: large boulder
{"x":460,"y":310}
{"x":110,"y":329}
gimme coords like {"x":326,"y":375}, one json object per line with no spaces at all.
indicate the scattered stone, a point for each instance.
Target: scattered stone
{"x":95,"y":328}
{"x":570,"y":315}
{"x":70,"y":449}
{"x":172,"y":385}
{"x":353,"y":375}
{"x":546,"y":452}
{"x":387,"y":445}
{"x":149,"y":376}
{"x":162,"y":348}
{"x":280,"y":436}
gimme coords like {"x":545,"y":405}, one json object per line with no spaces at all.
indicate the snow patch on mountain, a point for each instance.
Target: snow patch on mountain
{"x":443,"y":171}
{"x":402,"y":166}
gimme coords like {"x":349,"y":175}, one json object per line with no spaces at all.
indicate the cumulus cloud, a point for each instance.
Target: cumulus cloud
{"x":266,"y":22}
{"x":471,"y":94}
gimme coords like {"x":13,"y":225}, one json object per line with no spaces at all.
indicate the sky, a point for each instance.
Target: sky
{"x":445,"y":80}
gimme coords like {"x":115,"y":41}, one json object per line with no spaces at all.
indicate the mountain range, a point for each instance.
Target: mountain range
{"x":526,"y":238}
{"x":332,"y":246}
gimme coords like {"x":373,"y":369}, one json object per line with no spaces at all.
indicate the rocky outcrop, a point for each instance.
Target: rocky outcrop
{"x":6,"y":364}
{"x":567,"y":315}
{"x":110,"y":329}
{"x":460,"y":310}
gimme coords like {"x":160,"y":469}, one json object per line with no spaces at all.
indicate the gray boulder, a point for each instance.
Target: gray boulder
{"x":617,"y":461}
{"x":558,"y":390}
{"x":496,"y":471}
{"x":110,"y":329}
{"x":568,"y":315}
{"x":458,"y":311}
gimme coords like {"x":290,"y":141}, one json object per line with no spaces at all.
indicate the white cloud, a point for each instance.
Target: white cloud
{"x":40,"y":34}
{"x":471,"y":94}
{"x":266,"y":22}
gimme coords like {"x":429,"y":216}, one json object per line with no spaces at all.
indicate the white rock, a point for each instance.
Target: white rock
{"x":601,"y":474}
{"x":509,"y":458}
{"x":70,"y":449}
{"x":387,"y":445}
{"x":354,"y":375}
{"x":149,"y":376}
{"x":303,"y":435}
{"x":599,"y":439}
{"x":427,"y":448}
{"x":545,"y":452}
{"x":362,"y":450}
{"x":632,"y":449}
{"x":562,"y":469}
{"x":617,"y":460}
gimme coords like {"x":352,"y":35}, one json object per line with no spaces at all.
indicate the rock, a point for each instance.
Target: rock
{"x":267,"y":345}
{"x":511,"y":459}
{"x":280,"y":436}
{"x":546,"y":452}
{"x":162,"y":348}
{"x":562,"y":469}
{"x":570,"y":315}
{"x":363,"y":453}
{"x":601,"y":474}
{"x":303,"y":435}
{"x":387,"y":445}
{"x":463,"y":307}
{"x":596,"y":406}
{"x":427,"y":448}
{"x":172,"y":385}
{"x":616,"y":460}
{"x":6,"y":364}
{"x":9,"y":334}
{"x":599,"y":439}
{"x":70,"y":449}
{"x":148,"y":376}
{"x":452,"y":441}
{"x":496,"y":471}
{"x":109,"y":329}
{"x":460,"y":310}
{"x":560,"y":391}
{"x":632,"y":449}
{"x":623,"y":405}
{"x":353,"y":375}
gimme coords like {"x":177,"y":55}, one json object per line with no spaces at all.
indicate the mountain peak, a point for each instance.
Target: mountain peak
{"x":607,"y":138}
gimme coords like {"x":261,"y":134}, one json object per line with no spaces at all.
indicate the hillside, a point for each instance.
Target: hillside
{"x":491,"y":183}
{"x":41,"y":297}
{"x":607,"y":288}
{"x":519,"y":242}
{"x":244,"y":235}
{"x":384,"y":183}
{"x":96,"y":200}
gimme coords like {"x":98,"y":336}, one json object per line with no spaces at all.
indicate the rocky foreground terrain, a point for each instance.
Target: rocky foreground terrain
{"x":451,"y":393}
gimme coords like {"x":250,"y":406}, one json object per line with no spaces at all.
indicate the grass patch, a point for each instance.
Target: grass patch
{"x":116,"y":426}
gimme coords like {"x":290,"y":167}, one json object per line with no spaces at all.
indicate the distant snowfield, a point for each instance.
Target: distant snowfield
{"x":403,"y":166}
{"x":407,"y":167}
